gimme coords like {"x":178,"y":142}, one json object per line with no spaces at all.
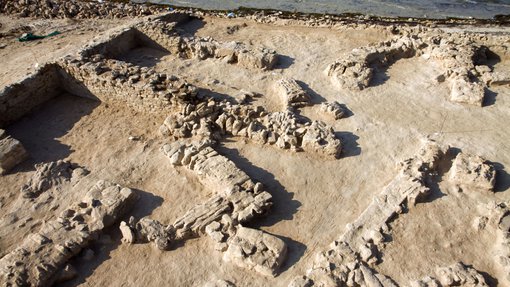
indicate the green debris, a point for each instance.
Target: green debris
{"x":30,"y":37}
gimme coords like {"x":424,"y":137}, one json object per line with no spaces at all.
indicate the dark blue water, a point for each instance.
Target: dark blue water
{"x":389,"y":8}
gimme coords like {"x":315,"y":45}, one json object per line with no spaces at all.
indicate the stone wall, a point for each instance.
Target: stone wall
{"x":462,"y":58}
{"x":236,"y":200}
{"x":20,"y":98}
{"x":114,"y":81}
{"x":350,"y":259}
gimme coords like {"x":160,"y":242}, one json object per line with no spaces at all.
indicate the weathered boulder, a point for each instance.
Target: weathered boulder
{"x":258,"y":57}
{"x":466,"y":92}
{"x":291,"y":93}
{"x":256,"y":250}
{"x":149,"y":230}
{"x":334,"y":109}
{"x":320,"y":138}
{"x":472,"y":171}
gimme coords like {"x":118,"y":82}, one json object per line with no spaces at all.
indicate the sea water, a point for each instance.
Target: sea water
{"x":483,"y":9}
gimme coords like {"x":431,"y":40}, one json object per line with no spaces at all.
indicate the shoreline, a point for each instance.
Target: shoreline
{"x":356,"y":18}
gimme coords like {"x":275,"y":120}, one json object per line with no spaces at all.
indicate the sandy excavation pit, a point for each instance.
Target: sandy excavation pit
{"x":180,"y":150}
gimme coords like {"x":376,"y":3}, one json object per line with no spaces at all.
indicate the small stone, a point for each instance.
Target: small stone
{"x":128,"y":235}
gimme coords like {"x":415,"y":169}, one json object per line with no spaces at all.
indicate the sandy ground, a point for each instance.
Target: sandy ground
{"x":314,"y":197}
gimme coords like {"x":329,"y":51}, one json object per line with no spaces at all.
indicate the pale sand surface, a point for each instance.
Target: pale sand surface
{"x":314,"y":197}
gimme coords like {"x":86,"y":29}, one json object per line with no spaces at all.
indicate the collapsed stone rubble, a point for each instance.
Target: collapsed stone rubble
{"x":211,"y":119}
{"x":39,"y":258}
{"x":462,"y":59}
{"x":75,"y":9}
{"x":357,"y":248}
{"x":457,"y":274}
{"x":236,"y":199}
{"x":353,"y":254}
{"x":12,"y":152}
{"x":356,"y":69}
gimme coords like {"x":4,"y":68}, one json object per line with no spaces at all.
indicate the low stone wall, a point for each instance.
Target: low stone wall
{"x":208,"y":118}
{"x":356,"y":69}
{"x":20,"y":98}
{"x":462,"y":58}
{"x":236,"y":200}
{"x":358,"y":248}
{"x":113,"y":81}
